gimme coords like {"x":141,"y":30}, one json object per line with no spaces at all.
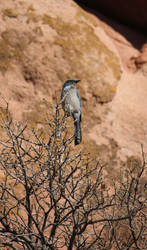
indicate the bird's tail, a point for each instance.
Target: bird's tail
{"x":78,"y":132}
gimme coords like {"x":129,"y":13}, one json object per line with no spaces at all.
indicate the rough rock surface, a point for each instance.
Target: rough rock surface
{"x":42,"y":43}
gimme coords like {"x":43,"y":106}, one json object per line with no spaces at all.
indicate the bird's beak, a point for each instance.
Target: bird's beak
{"x":77,"y":81}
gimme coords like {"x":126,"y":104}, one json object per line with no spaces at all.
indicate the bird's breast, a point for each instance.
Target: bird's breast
{"x":71,"y":102}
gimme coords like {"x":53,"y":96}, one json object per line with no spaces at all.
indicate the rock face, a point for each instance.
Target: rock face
{"x":131,"y":12}
{"x":45,"y":46}
{"x":43,"y":43}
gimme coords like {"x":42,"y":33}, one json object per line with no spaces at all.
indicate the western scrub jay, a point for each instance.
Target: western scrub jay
{"x":72,"y":104}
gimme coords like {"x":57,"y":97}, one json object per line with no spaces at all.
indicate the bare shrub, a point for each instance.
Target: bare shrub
{"x":53,"y":196}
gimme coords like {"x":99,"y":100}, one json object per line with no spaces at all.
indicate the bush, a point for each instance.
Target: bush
{"x":52,"y":195}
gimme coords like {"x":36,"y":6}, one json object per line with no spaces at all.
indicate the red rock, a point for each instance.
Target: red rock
{"x":42,"y":43}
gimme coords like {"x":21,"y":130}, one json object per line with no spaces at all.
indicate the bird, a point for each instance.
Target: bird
{"x":72,"y":106}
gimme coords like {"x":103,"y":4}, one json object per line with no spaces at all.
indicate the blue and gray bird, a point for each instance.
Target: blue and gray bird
{"x":72,"y":104}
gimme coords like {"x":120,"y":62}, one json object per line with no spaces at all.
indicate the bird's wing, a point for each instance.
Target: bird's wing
{"x":78,"y":95}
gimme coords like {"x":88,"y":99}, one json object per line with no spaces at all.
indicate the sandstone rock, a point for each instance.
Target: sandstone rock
{"x":42,"y":43}
{"x":47,"y":47}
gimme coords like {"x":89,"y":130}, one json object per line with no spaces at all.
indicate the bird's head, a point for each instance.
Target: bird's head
{"x":71,"y":82}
